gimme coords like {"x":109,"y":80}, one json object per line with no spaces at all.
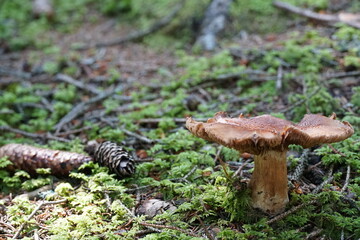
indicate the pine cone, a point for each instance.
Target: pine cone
{"x":29,"y":158}
{"x":115,"y":158}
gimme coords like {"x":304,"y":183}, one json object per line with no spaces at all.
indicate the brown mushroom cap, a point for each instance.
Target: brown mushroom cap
{"x":258,"y":134}
{"x":316,"y":129}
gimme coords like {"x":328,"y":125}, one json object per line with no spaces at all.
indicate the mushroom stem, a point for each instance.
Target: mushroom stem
{"x":269,"y":184}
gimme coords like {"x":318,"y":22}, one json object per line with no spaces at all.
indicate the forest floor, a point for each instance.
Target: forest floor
{"x":138,"y":95}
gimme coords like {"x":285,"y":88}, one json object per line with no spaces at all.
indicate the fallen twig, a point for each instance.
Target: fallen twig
{"x":326,"y":181}
{"x":168,"y":227}
{"x":279,"y":78}
{"x":347,"y":179}
{"x":250,"y":74}
{"x":346,"y":18}
{"x":157,"y":120}
{"x":8,"y":226}
{"x":33,"y":135}
{"x":336,"y":151}
{"x":83,"y":106}
{"x":301,"y":102}
{"x":138,"y":136}
{"x":290,"y":211}
{"x":142,"y":33}
{"x":78,"y":84}
{"x":341,"y":75}
{"x":14,"y":73}
{"x":239,"y":170}
{"x":314,"y":233}
{"x":74,"y":131}
{"x":184,"y":178}
{"x":34,"y":212}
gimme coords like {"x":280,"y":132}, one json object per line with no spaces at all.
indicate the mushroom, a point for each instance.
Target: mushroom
{"x":268,"y":138}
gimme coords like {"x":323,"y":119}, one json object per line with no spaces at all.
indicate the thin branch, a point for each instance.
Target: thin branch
{"x":314,"y":233}
{"x":138,"y":136}
{"x":207,"y":233}
{"x":348,"y":171}
{"x":14,"y":73}
{"x":305,"y":12}
{"x":34,"y":212}
{"x":157,"y":120}
{"x":184,"y":178}
{"x":279,"y":78}
{"x":341,"y":75}
{"x":83,"y":106}
{"x":290,"y":211}
{"x":326,"y":181}
{"x":74,"y":131}
{"x":346,"y":18}
{"x":142,"y":33}
{"x":76,"y":83}
{"x":239,"y":170}
{"x":33,"y":135}
{"x":301,"y":102}
{"x":168,"y":227}
{"x":336,"y":151}
{"x":10,"y":227}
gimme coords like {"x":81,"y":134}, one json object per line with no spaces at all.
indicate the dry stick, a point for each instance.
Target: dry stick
{"x":336,"y":151}
{"x":238,"y":171}
{"x":34,"y":212}
{"x":326,"y":181}
{"x":107,"y":200}
{"x":33,"y":194}
{"x":142,"y":33}
{"x":78,"y":84}
{"x":327,"y":18}
{"x":14,"y":73}
{"x":207,"y":233}
{"x":260,"y":76}
{"x":184,"y":178}
{"x":12,"y":229}
{"x":157,"y":120}
{"x":130,"y":190}
{"x":302,"y":101}
{"x":168,"y":227}
{"x":348,"y":171}
{"x":303,"y":228}
{"x":83,"y":106}
{"x":33,"y":135}
{"x":314,"y":233}
{"x":279,"y":78}
{"x":290,"y":211}
{"x":138,"y":136}
{"x":341,"y":75}
{"x":131,"y":214}
{"x":173,"y":179}
{"x":74,"y":131}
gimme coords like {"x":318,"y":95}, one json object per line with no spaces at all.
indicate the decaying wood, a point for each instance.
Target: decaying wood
{"x":350,"y":19}
{"x":213,"y":23}
{"x":30,"y":158}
